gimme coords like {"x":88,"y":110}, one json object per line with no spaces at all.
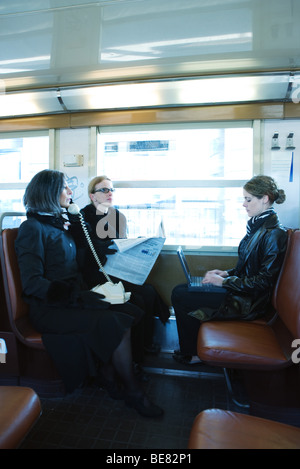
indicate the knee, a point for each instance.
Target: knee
{"x":138,"y":314}
{"x":178,"y":293}
{"x":148,"y":288}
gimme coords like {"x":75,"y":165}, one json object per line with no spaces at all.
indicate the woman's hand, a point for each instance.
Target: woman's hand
{"x":215,"y":277}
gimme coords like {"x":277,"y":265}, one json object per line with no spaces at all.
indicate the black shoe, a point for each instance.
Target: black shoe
{"x":185,"y":359}
{"x":180,"y":358}
{"x":152,"y":349}
{"x":146,"y":409}
{"x":113,"y":389}
{"x":139,"y":373}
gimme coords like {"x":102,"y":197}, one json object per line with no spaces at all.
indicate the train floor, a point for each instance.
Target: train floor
{"x":89,"y":419}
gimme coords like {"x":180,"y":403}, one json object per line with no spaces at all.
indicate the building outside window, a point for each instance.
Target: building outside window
{"x":22,"y":155}
{"x":189,"y":177}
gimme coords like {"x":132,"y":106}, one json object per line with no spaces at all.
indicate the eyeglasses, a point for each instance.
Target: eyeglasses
{"x":105,"y":190}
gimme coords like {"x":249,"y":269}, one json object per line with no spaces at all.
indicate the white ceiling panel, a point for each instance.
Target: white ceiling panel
{"x":64,"y":43}
{"x":29,"y":103}
{"x":213,"y":90}
{"x":72,"y":42}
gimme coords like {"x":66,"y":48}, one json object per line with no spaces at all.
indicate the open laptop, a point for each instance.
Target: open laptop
{"x":195,"y":283}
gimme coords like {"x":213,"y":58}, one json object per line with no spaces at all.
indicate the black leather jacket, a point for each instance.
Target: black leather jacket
{"x":250,"y":284}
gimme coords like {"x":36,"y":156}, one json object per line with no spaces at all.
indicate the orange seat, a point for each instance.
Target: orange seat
{"x":20,"y":409}
{"x":17,"y":308}
{"x":221,"y":429}
{"x":258,"y":345}
{"x":263,"y":351}
{"x":35,"y":366}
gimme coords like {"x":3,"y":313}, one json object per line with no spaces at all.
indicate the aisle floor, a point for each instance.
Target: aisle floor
{"x":90,"y":419}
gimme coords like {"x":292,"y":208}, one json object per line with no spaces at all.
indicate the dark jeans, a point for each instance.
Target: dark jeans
{"x":185,"y":302}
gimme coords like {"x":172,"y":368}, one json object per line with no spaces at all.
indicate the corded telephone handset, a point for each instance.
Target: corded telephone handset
{"x":114,"y":292}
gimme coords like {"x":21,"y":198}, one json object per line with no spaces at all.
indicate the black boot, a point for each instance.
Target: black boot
{"x":143,"y":406}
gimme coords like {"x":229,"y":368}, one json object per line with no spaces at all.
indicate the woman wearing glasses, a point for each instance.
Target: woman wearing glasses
{"x":106,"y":223}
{"x":105,"y":220}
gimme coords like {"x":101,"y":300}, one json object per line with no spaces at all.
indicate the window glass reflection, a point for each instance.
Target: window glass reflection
{"x":185,"y":177}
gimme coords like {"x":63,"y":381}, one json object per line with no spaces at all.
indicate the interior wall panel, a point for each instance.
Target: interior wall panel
{"x":162,"y":115}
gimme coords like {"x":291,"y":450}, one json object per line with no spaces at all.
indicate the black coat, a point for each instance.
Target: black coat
{"x":78,"y":328}
{"x":144,"y":296}
{"x":250,"y":283}
{"x":112,"y":224}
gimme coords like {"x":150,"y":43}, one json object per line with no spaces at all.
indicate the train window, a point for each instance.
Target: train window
{"x":21,"y":156}
{"x":188,"y":177}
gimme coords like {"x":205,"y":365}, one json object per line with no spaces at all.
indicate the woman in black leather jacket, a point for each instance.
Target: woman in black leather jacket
{"x":245,"y":291}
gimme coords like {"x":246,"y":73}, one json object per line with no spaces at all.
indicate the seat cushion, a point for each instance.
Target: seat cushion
{"x":30,"y":336}
{"x":220,"y":429}
{"x":237,"y":344}
{"x":20,"y":408}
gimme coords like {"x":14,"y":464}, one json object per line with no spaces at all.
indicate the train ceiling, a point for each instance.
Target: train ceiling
{"x":78,"y":55}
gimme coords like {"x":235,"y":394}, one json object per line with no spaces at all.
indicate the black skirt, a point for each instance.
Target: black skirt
{"x":78,"y":339}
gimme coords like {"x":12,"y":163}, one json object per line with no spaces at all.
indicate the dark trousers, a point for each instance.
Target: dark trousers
{"x":185,"y":302}
{"x":147,"y":299}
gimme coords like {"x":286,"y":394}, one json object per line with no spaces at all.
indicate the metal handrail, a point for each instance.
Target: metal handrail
{"x":10,"y":214}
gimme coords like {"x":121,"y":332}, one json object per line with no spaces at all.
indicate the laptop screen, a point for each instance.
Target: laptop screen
{"x":184,"y":263}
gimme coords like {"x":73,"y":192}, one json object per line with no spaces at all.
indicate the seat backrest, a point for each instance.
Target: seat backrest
{"x":290,"y":232}
{"x":286,"y":297}
{"x":11,"y":276}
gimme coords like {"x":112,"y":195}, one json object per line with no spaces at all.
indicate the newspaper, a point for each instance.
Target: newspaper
{"x":135,"y":258}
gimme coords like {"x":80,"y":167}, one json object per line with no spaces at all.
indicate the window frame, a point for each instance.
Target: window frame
{"x":211,"y":183}
{"x":24,"y":134}
{"x":22,"y":185}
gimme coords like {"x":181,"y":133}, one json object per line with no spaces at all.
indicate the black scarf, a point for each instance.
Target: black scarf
{"x":255,"y":222}
{"x":252,"y":226}
{"x":57,"y":221}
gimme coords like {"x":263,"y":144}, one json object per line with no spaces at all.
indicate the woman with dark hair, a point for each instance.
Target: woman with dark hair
{"x":84,"y":334}
{"x":245,"y":291}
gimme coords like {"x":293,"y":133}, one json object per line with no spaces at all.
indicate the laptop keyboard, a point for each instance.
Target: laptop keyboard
{"x":197,"y":281}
